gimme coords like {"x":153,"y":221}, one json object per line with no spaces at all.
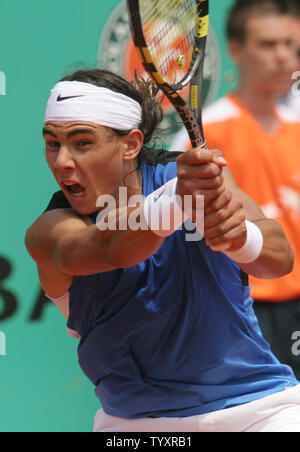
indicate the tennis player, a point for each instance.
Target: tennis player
{"x":167,"y":331}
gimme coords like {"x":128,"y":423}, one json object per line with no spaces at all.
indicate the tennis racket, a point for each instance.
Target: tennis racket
{"x":170,"y":39}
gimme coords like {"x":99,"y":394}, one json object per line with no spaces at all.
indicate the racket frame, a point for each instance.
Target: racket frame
{"x":191,"y":116}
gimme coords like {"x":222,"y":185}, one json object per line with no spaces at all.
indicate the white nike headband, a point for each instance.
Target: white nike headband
{"x":79,"y":101}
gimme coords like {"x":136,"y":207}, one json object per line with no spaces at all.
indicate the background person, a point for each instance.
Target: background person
{"x":291,"y":102}
{"x":147,"y":303}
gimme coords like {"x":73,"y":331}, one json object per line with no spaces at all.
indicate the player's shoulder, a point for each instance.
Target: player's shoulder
{"x":43,"y":235}
{"x":154,"y":157}
{"x":221,"y":111}
{"x":159,"y":166}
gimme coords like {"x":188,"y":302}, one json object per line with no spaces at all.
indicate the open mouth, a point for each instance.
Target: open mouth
{"x":74,"y":189}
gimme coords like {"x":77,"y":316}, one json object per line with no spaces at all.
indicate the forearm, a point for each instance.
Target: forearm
{"x":273,"y":256}
{"x":277,"y":257}
{"x":92,"y":251}
{"x":62,"y":243}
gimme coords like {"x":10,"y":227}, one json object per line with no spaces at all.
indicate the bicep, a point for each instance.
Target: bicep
{"x":63,"y":243}
{"x":41,"y":241}
{"x":47,"y":232}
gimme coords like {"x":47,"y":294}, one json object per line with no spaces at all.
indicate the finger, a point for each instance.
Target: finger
{"x":203,"y":171}
{"x":207,"y":194}
{"x":193,"y":183}
{"x":199,"y":156}
{"x":219,"y":216}
{"x":221,"y":229}
{"x":231,"y":210}
{"x":219,"y":203}
{"x":218,"y":157}
{"x":222,"y":247}
{"x":237,"y":236}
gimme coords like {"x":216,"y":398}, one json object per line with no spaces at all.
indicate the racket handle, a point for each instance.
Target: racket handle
{"x":204,"y":146}
{"x":197,"y":143}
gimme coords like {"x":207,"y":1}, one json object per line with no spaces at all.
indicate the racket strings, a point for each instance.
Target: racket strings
{"x":170,"y":29}
{"x":167,"y":14}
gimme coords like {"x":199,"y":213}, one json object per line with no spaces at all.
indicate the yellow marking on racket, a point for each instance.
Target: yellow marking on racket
{"x":194,"y":97}
{"x":202,"y":26}
{"x":140,"y":55}
{"x":158,"y":78}
{"x":146,"y":55}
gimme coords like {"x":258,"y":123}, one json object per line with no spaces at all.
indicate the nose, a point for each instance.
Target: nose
{"x":281,"y":53}
{"x":64,"y":159}
{"x":284,"y":53}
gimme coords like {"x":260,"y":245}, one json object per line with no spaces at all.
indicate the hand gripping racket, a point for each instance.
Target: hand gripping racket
{"x":170,"y":37}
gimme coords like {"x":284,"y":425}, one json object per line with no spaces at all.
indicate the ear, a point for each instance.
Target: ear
{"x":132,"y":144}
{"x":235,"y":48}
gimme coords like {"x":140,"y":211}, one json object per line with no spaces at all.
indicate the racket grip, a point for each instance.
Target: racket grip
{"x":204,"y":146}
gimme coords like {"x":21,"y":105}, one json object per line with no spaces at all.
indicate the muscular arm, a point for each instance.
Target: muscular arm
{"x":205,"y":173}
{"x":277,"y":257}
{"x":65,"y":245}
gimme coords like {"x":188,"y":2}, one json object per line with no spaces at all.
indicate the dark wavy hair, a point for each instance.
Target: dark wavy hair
{"x":295,"y":8}
{"x":242,"y":9}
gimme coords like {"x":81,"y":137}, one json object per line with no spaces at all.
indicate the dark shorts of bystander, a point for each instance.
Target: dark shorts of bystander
{"x":280,"y":325}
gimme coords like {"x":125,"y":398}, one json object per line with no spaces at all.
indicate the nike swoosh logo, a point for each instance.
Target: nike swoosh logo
{"x":158,"y":196}
{"x":61,"y":99}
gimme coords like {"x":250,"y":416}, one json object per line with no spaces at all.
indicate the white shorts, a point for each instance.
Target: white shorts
{"x":279,"y":412}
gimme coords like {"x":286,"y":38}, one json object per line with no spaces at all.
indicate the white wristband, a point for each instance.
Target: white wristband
{"x":163,"y":210}
{"x":252,"y":248}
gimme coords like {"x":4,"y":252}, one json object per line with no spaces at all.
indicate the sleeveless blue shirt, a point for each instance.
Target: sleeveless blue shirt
{"x":174,"y":336}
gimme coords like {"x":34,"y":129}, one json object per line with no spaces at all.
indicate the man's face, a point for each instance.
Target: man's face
{"x":267,"y":56}
{"x":86,"y":161}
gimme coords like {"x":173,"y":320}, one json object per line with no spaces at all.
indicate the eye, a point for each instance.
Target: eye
{"x":52,"y":144}
{"x":83,"y":143}
{"x":267,"y":44}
